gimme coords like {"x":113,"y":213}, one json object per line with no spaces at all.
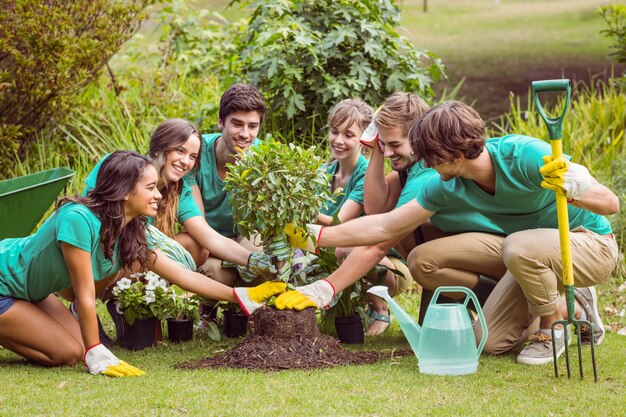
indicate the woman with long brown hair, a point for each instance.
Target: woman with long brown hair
{"x":85,"y":241}
{"x":174,"y":147}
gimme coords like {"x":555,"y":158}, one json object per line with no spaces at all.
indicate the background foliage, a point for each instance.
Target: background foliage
{"x":615,"y":17}
{"x":306,"y":55}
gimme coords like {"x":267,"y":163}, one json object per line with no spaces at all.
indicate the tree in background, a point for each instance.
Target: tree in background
{"x":48,"y":51}
{"x":305,"y":55}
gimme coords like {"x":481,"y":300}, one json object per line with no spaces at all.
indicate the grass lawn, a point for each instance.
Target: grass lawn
{"x":498,"y":47}
{"x":392,"y":387}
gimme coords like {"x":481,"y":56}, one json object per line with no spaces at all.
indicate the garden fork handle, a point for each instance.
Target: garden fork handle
{"x":555,"y":128}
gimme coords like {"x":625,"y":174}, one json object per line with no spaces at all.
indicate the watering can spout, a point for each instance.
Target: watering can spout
{"x":409,"y":326}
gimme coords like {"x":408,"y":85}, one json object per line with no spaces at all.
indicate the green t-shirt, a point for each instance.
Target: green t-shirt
{"x":33,"y":267}
{"x":187,"y":207}
{"x":217,"y":210}
{"x":448,"y":219}
{"x":353,"y":189}
{"x":519,"y":202}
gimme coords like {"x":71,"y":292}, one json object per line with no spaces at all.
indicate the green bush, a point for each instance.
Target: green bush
{"x":306,"y":55}
{"x":48,"y":51}
{"x":273,"y":184}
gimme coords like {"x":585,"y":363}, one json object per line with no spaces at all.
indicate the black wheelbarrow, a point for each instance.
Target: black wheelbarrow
{"x":24,"y":200}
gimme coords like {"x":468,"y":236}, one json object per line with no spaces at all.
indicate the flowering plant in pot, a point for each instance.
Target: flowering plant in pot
{"x":141,"y":299}
{"x":144,"y":295}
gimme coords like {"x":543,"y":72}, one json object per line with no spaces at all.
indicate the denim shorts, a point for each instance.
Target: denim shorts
{"x":6,"y":303}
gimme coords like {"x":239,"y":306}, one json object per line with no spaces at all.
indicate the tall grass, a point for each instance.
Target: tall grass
{"x":593,"y":129}
{"x":106,"y":121}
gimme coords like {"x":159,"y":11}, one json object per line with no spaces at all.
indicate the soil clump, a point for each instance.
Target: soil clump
{"x":288,"y":340}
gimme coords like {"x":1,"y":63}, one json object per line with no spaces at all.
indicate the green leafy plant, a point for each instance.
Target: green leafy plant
{"x":271,"y":185}
{"x":181,"y":306}
{"x":615,"y":17}
{"x":48,"y":51}
{"x":306,"y":55}
{"x":199,"y":40}
{"x":143,"y":296}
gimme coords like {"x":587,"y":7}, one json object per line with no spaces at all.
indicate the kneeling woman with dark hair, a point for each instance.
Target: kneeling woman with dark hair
{"x":85,"y":241}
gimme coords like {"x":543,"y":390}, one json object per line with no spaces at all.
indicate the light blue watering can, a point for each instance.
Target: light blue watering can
{"x":446,"y":344}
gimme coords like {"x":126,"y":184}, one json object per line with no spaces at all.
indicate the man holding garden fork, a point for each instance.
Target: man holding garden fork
{"x":501,"y":178}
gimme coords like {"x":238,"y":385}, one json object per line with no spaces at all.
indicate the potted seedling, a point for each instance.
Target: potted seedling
{"x":348,"y":314}
{"x":271,"y":185}
{"x":235,"y":321}
{"x":183,"y":312}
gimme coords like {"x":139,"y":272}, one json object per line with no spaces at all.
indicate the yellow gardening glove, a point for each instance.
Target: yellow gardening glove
{"x":298,"y":236}
{"x":263,"y":292}
{"x":318,"y":294}
{"x":294,"y":300}
{"x":251,"y":299}
{"x":563,"y":176}
{"x":123,"y":369}
{"x":100,"y":360}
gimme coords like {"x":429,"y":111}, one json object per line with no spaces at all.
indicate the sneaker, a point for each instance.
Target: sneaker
{"x":588,"y":301}
{"x":539,"y":351}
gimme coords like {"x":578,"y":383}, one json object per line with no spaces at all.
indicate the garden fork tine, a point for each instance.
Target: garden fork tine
{"x":555,"y":127}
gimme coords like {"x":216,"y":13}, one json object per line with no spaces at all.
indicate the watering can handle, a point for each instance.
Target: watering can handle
{"x":470,"y":295}
{"x":554,"y":124}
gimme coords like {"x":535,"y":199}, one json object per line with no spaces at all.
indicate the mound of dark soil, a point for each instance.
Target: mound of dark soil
{"x":287,"y":340}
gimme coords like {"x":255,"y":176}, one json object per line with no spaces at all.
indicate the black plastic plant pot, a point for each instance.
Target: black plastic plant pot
{"x":139,"y":335}
{"x":118,"y":319}
{"x":350,"y":329}
{"x":179,"y":330}
{"x":235,"y":324}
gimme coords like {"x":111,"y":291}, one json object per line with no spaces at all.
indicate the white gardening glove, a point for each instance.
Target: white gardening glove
{"x":298,"y":237}
{"x":561,"y":175}
{"x":100,"y":360}
{"x":369,"y":137}
{"x":250,"y":299}
{"x":318,"y":295}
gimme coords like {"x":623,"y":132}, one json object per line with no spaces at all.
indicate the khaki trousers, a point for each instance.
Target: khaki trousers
{"x":457,"y":260}
{"x":533,"y":281}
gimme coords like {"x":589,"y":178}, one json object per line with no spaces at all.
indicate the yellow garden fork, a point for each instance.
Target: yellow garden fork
{"x":555,"y":128}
